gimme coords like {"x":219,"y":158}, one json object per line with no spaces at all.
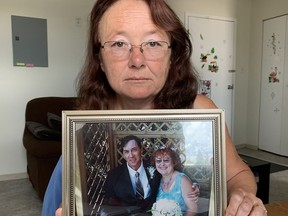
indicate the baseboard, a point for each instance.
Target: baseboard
{"x":13,"y":176}
{"x":239,"y":146}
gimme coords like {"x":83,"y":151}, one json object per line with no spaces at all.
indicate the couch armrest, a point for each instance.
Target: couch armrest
{"x":41,"y":148}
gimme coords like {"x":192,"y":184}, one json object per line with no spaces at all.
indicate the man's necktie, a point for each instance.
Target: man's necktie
{"x":139,"y":187}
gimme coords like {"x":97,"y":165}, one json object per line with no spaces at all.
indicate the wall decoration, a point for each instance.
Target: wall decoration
{"x":274,"y":43}
{"x":204,"y":58}
{"x":205,"y":88}
{"x":273,"y":76}
{"x":209,"y":58}
{"x":213,"y":67}
{"x":273,"y":95}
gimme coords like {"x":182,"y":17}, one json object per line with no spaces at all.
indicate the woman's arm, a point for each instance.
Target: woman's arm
{"x":186,"y":189}
{"x":53,"y":194}
{"x":241,"y":183}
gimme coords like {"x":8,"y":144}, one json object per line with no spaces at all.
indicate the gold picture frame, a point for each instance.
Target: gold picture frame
{"x":90,"y":150}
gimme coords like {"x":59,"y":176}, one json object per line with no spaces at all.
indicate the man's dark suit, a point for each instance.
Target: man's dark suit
{"x":119,"y":190}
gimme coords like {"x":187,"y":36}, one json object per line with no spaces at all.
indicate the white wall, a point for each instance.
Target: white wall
{"x":66,"y":48}
{"x":239,"y":10}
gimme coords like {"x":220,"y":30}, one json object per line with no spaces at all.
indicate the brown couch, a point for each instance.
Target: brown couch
{"x":42,"y":137}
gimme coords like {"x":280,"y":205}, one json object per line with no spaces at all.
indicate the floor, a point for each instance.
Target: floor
{"x":278,"y":180}
{"x":20,"y":196}
{"x":278,"y":187}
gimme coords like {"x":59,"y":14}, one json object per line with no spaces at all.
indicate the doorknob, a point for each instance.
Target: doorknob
{"x":230,"y":87}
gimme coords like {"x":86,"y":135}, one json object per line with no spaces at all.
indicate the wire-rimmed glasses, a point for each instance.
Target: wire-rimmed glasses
{"x":151,"y":50}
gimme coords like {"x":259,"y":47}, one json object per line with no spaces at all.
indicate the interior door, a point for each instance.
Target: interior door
{"x":274,"y":83}
{"x":213,"y":41}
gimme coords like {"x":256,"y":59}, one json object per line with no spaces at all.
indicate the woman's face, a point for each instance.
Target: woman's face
{"x":164,"y":164}
{"x":134,"y":78}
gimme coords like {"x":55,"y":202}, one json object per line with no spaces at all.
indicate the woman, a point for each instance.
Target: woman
{"x":175,"y":185}
{"x":139,"y":58}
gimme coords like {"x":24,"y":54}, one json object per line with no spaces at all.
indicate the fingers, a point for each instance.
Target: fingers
{"x":239,"y":204}
{"x":258,"y":209}
{"x":58,"y":212}
{"x":244,"y":204}
{"x":193,"y":195}
{"x":196,"y":189}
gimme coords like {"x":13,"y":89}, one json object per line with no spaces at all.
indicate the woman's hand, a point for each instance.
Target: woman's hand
{"x":58,"y":212}
{"x":194,"y":194}
{"x":244,"y":204}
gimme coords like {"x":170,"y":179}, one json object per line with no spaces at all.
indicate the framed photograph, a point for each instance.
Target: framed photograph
{"x":93,"y":148}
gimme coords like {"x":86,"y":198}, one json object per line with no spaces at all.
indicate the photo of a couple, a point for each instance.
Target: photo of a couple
{"x":143,"y":183}
{"x":144,"y":168}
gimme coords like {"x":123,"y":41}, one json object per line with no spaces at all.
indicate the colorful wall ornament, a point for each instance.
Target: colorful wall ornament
{"x":209,"y":59}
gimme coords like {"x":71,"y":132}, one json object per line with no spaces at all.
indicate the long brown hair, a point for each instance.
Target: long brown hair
{"x":180,"y":89}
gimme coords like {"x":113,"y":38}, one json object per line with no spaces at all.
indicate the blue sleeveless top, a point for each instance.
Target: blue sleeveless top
{"x":174,"y":194}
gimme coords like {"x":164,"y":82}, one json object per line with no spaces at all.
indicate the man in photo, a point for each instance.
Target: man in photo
{"x":132,"y":183}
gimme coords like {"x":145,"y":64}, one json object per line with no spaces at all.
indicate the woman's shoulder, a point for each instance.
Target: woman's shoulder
{"x":183,"y":177}
{"x":180,"y":176}
{"x":185,"y":182}
{"x":203,"y":102}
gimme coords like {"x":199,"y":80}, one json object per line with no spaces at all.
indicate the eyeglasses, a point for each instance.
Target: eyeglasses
{"x":165,"y":160}
{"x":151,"y":50}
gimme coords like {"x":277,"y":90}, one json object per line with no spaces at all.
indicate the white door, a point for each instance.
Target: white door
{"x":213,"y":41}
{"x":273,"y":134}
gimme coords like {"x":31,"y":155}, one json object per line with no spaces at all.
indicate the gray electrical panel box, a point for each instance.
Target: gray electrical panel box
{"x":29,"y":37}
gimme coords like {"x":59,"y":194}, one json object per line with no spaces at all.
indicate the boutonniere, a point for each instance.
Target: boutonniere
{"x":151,"y":171}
